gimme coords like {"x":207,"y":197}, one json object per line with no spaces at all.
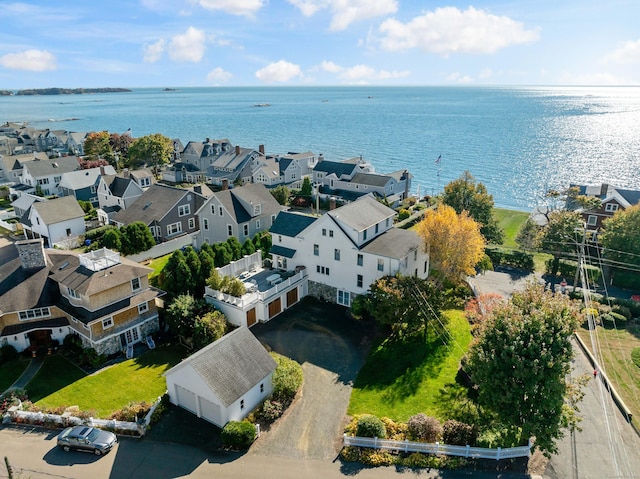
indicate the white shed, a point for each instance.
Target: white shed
{"x":225,"y":380}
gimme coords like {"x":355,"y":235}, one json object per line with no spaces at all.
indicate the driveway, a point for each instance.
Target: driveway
{"x":331,"y":347}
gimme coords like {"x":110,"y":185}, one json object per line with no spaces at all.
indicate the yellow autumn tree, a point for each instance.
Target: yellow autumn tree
{"x":453,"y":242}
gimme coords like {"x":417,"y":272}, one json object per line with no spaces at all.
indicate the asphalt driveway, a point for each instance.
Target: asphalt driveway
{"x":331,"y":347}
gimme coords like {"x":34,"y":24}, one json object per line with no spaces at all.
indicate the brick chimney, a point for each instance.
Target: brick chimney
{"x":31,"y":253}
{"x":320,"y":158}
{"x":102,"y":170}
{"x":332,"y":203}
{"x":237,"y":150}
{"x":261,"y":149}
{"x":225,"y":184}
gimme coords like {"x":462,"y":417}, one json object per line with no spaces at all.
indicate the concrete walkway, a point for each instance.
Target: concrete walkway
{"x":28,"y":374}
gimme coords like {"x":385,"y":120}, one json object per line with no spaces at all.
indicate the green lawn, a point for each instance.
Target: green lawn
{"x":510,"y":221}
{"x":158,"y":265}
{"x":404,"y":378}
{"x":10,"y":371}
{"x":134,"y":380}
{"x":56,"y":373}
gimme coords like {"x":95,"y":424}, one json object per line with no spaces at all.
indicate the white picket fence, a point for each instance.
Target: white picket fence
{"x":436,"y":448}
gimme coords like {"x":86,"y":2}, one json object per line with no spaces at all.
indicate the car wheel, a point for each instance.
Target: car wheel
{"x":66,"y":448}
{"x":97,"y":452}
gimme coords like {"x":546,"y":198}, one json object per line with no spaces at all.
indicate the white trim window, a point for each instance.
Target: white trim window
{"x":135,"y":284}
{"x":380,"y":264}
{"x":359,"y":281}
{"x":192,"y":223}
{"x":205,"y":223}
{"x":344,"y":298}
{"x":257,"y":224}
{"x":73,"y":293}
{"x":34,"y":313}
{"x":107,"y":323}
{"x":184,"y":210}
{"x":143,"y":307}
{"x":611,"y":207}
{"x":245,"y":229}
{"x":592,"y":220}
{"x":174,"y":229}
{"x":229,"y":230}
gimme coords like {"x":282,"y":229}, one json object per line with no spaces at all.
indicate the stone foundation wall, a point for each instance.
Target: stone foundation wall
{"x":323,"y":292}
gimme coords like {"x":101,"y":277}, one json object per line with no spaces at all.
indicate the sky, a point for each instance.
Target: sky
{"x":189,"y":43}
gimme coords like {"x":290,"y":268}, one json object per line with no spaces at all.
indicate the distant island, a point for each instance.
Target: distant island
{"x":170,"y":89}
{"x":6,"y":93}
{"x":70,"y":91}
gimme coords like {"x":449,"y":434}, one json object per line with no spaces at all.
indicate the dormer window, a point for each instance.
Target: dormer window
{"x":72,"y":293}
{"x":257,"y":209}
{"x":611,"y":207}
{"x":135,"y":284}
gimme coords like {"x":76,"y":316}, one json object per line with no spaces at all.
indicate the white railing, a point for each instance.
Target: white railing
{"x":162,"y":249}
{"x":253,"y":298}
{"x":436,"y":448}
{"x":250,"y":262}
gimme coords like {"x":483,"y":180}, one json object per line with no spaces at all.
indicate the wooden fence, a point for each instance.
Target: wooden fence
{"x":436,"y":448}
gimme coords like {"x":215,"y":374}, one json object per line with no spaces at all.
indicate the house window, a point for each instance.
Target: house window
{"x":93,"y":189}
{"x":360,"y":260}
{"x":73,"y":293}
{"x":592,"y":220}
{"x":229,"y":230}
{"x":336,"y":254}
{"x":316,"y":250}
{"x":174,"y":228}
{"x":143,"y":308}
{"x":387,"y":223}
{"x":324,"y":231}
{"x":245,"y":229}
{"x":192,"y":223}
{"x":611,"y":207}
{"x":359,"y":281}
{"x":330,"y":233}
{"x":273,"y":219}
{"x":344,"y":298}
{"x":135,"y":284}
{"x":145,"y":182}
{"x":322,"y":270}
{"x":258,"y":224}
{"x":220,"y":212}
{"x":34,"y":313}
{"x":68,"y":231}
{"x":57,"y":179}
{"x":380,"y":264}
{"x":184,"y":210}
{"x":261,"y":388}
{"x":107,"y":323}
{"x":377,"y":228}
{"x":257,"y":209}
{"x":241,"y":403}
{"x":213,"y":209}
{"x":205,"y":223}
{"x":364,"y":235}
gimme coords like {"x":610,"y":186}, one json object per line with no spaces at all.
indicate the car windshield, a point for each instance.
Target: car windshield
{"x":93,"y":435}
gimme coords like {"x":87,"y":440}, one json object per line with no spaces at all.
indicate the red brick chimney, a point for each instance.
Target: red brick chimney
{"x":332,"y":203}
{"x":225,"y":184}
{"x":237,"y":150}
{"x":261,"y":149}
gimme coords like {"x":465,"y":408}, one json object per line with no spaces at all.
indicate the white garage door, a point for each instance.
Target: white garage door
{"x":186,"y":399}
{"x":211,"y":412}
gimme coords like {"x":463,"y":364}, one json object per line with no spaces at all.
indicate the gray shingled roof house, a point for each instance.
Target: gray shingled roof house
{"x":59,"y":221}
{"x":225,"y":380}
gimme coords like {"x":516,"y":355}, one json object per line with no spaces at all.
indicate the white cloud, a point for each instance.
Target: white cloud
{"x":346,"y":12}
{"x":450,"y":30}
{"x":188,"y":46}
{"x":218,"y":75}
{"x":365,"y":72}
{"x":153,"y":52}
{"x":280,"y":71}
{"x":234,"y":7}
{"x":457,"y":77}
{"x":627,"y":52}
{"x":330,"y":67}
{"x":31,"y":60}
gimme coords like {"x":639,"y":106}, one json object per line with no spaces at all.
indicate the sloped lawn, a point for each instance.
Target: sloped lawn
{"x":110,"y":389}
{"x":510,"y":221}
{"x":11,"y":371}
{"x":403,"y":378}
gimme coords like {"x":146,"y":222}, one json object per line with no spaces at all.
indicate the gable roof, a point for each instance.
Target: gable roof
{"x":152,"y":205}
{"x":252,"y":193}
{"x":362,"y":213}
{"x":78,"y":179}
{"x":371,"y":179}
{"x":117,"y":184}
{"x":291,"y":224}
{"x":22,"y":289}
{"x":58,"y":210}
{"x":394,"y":243}
{"x":230,"y":366}
{"x":338,"y":168}
{"x":26,"y":200}
{"x":55,"y":166}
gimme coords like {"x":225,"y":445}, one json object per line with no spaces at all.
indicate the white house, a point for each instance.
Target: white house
{"x":115,"y":193}
{"x":347,"y":249}
{"x":59,"y":221}
{"x":287,"y":169}
{"x":47,"y":174}
{"x":225,"y":380}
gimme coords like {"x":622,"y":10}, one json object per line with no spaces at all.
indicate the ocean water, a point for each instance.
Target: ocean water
{"x":518,"y":141}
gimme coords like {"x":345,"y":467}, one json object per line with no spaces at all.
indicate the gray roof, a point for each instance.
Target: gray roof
{"x":291,"y":224}
{"x":362,"y":213}
{"x":152,"y":205}
{"x":254,"y":193}
{"x":117,"y":184}
{"x":55,"y":166}
{"x":339,"y":168}
{"x":58,"y":210}
{"x":76,"y":180}
{"x":22,"y":289}
{"x":394,"y":243}
{"x":371,"y":179}
{"x":282,"y":251}
{"x":25,"y":201}
{"x":230,"y":161}
{"x":231,"y":366}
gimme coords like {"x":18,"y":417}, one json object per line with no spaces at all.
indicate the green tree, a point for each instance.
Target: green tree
{"x":176,"y":275}
{"x":560,"y":235}
{"x":181,"y":313}
{"x":567,"y":198}
{"x":305,"y":190}
{"x":265,"y":244}
{"x":464,"y":194}
{"x":281,"y":194}
{"x":193,"y":262}
{"x":234,"y":247}
{"x":223,"y":255}
{"x":96,"y":146}
{"x":206,"y":266}
{"x":208,"y":328}
{"x":527,"y":237}
{"x":120,"y":145}
{"x":248,"y":248}
{"x":136,"y":237}
{"x":154,"y":150}
{"x":520,"y":361}
{"x":112,"y":239}
{"x":620,"y":236}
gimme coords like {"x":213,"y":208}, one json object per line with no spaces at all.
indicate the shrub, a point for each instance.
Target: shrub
{"x":72,"y":342}
{"x":418,"y":460}
{"x":271,"y":410}
{"x":507,"y":257}
{"x":376,"y":457}
{"x":370,"y":426}
{"x":7,"y":353}
{"x":131,"y":412}
{"x":287,"y":378}
{"x":396,"y":431}
{"x":350,"y":454}
{"x":424,"y":428}
{"x":403,"y":214}
{"x":238,"y":434}
{"x":622,"y":310}
{"x":458,"y":433}
{"x":635,"y":356}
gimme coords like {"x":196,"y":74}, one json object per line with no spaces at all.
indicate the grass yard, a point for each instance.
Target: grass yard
{"x":158,"y":265}
{"x":616,"y":346}
{"x":510,"y":221}
{"x":134,"y":380}
{"x":11,"y":371}
{"x":401,"y":379}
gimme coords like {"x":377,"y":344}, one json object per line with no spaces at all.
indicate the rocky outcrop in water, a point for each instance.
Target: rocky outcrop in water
{"x":70,"y":91}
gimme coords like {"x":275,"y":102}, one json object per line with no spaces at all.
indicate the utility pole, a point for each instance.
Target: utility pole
{"x":9,"y":469}
{"x":581,"y":247}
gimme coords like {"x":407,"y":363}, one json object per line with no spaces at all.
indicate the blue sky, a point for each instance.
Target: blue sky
{"x":172,"y":43}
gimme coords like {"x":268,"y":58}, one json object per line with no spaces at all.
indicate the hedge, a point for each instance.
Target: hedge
{"x":625,"y":279}
{"x":508,"y":257}
{"x":567,"y":269}
{"x":238,"y":434}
